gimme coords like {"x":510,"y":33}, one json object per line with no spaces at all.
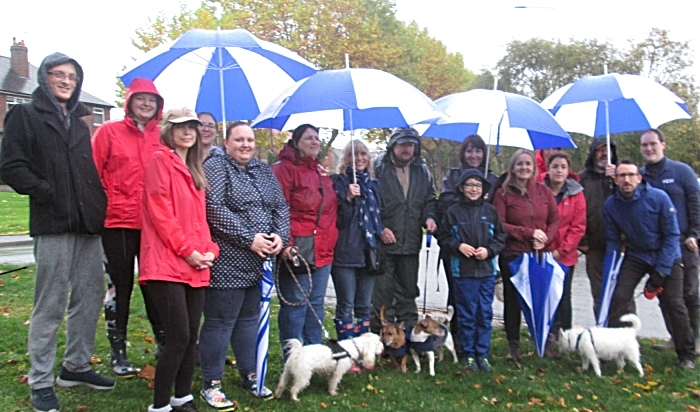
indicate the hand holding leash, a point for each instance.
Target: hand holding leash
{"x":654,"y":286}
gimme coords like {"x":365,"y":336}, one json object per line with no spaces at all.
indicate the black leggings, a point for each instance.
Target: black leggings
{"x":121,"y":247}
{"x":180,"y":307}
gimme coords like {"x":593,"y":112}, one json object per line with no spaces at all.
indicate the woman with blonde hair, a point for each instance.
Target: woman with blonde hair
{"x":177,"y":252}
{"x":530,"y":217}
{"x":359,"y":224}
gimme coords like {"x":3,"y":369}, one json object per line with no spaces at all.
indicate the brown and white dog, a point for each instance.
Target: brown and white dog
{"x":393,"y":336}
{"x":428,"y":335}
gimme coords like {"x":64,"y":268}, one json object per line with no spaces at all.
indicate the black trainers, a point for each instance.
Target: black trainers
{"x":471,"y":365}
{"x":484,"y":365}
{"x":250,"y":383}
{"x":89,"y":378}
{"x":121,"y":366}
{"x":44,"y":400}
{"x":688,"y":364}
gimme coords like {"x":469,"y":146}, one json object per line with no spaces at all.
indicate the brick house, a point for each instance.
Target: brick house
{"x":18,"y":81}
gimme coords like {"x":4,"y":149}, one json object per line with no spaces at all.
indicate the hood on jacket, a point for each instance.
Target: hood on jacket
{"x":590,"y":161}
{"x":141,"y":85}
{"x":403,"y":135}
{"x":473,"y":173}
{"x":51,"y":61}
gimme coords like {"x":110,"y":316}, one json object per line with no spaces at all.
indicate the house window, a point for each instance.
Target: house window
{"x":98,"y":116}
{"x":13,"y":101}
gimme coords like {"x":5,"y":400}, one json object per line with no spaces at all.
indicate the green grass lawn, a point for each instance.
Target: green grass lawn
{"x":541,"y":384}
{"x":14,"y":210}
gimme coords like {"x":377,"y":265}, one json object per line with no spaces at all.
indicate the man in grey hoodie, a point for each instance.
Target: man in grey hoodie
{"x":46,"y":154}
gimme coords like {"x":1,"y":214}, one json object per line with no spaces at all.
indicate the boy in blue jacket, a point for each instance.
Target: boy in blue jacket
{"x":472,"y":234}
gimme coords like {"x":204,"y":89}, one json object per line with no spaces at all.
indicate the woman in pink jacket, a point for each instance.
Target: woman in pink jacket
{"x":571,"y":204}
{"x":176,"y":253}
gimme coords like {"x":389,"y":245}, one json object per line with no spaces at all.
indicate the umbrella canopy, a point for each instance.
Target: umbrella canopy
{"x":501,"y":118}
{"x":229,"y":73}
{"x":349,"y":99}
{"x":539,"y":281}
{"x":634,"y":103}
{"x":611,"y":270}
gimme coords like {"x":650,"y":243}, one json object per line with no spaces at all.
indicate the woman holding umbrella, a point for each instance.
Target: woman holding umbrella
{"x":571,"y":205}
{"x":530,"y":217}
{"x":313,"y":210}
{"x":177,"y":252}
{"x":249,"y":220}
{"x":359,"y":222}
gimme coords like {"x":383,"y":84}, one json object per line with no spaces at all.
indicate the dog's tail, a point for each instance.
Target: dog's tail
{"x":450,"y":313}
{"x":633,"y":319}
{"x":292,"y":345}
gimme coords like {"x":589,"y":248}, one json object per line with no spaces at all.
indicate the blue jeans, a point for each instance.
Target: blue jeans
{"x":299,"y":322}
{"x":230,"y":316}
{"x":353,"y":290}
{"x":474,"y":299}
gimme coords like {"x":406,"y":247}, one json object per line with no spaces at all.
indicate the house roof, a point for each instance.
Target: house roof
{"x":11,"y":82}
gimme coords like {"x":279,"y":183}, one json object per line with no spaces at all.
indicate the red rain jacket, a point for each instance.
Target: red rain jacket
{"x":174,"y":223}
{"x":121,"y":152}
{"x":572,"y":226}
{"x":300,"y":180}
{"x":521,"y":215}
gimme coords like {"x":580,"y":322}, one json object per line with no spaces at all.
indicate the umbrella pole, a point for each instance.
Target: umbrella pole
{"x":221,"y":92}
{"x":488,"y":153}
{"x":607,"y":131}
{"x":352,"y":130}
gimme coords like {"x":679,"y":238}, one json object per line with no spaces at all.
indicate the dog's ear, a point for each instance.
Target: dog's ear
{"x":400,"y":325}
{"x":382,"y":314}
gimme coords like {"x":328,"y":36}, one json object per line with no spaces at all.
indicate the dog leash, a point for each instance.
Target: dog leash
{"x":295,"y":254}
{"x":13,"y":270}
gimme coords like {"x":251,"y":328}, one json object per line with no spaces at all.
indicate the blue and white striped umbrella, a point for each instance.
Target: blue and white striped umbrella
{"x":267,"y":283}
{"x":215,"y":69}
{"x":632,"y":103}
{"x":349,"y":99}
{"x":501,"y":118}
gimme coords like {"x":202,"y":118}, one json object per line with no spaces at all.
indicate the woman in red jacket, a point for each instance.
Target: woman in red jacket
{"x":571,"y":204}
{"x":121,"y":150}
{"x":176,"y":253}
{"x":531,"y":219}
{"x":313,"y":211}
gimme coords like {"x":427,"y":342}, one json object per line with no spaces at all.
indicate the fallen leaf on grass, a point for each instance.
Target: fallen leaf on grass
{"x":82,"y":408}
{"x":497,"y":380}
{"x":371,"y":389}
{"x":477,"y":386}
{"x":94,"y":360}
{"x":535,"y":402}
{"x":23,"y":379}
{"x":636,"y":395}
{"x":324,"y":405}
{"x":149,"y":340}
{"x":690,"y":408}
{"x":440,"y":383}
{"x":15,"y":277}
{"x":494,"y":401}
{"x":567,"y":386}
{"x":594,"y":397}
{"x":508,"y":405}
{"x":647,"y":387}
{"x":148,"y":372}
{"x":648,"y":368}
{"x":151,"y":384}
{"x":579,"y":397}
{"x":510,"y":391}
{"x":562,"y":402}
{"x":11,"y":361}
{"x":5,"y":310}
{"x":364,"y":405}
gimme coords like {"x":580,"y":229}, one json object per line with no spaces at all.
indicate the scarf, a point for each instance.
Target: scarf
{"x":369,"y":206}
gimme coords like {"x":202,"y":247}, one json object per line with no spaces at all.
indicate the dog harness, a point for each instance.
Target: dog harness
{"x":431,"y":343}
{"x":578,"y":340}
{"x":337,"y":351}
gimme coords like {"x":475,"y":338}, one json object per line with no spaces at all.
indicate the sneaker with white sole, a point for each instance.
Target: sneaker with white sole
{"x":44,"y":400}
{"x":250,"y":383}
{"x":216,"y":398}
{"x":89,"y":378}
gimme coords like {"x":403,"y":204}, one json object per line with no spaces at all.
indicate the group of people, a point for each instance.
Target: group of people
{"x":202,"y":220}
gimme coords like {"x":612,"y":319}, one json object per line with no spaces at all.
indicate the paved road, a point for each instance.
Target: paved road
{"x":19,"y":251}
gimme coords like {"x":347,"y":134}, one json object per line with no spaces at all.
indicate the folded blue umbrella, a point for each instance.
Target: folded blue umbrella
{"x":611,"y":270}
{"x":539,"y":280}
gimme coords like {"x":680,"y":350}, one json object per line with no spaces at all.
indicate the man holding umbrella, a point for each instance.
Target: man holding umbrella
{"x":408,"y":203}
{"x":652,"y":248}
{"x":680,"y":184}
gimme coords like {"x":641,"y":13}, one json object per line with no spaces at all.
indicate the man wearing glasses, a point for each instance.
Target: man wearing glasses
{"x":121,"y":150}
{"x":679,"y":182}
{"x":646,"y":219}
{"x":46,"y":154}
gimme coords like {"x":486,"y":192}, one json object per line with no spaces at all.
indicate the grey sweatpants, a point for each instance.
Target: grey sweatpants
{"x":69,"y":273}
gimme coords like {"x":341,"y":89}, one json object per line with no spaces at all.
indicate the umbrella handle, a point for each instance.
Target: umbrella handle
{"x":428,"y":239}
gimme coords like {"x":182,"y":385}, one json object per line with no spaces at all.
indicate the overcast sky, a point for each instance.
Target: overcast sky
{"x":99,"y":38}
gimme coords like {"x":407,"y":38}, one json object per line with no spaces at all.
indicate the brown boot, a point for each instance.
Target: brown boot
{"x":513,"y":351}
{"x":549,"y":351}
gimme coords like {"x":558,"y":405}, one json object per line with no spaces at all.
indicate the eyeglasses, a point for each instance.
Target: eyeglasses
{"x":209,"y":126}
{"x":626,"y":175}
{"x":472,"y":185}
{"x":60,"y":75}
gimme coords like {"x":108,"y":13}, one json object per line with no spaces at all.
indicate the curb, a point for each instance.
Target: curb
{"x":18,"y":243}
